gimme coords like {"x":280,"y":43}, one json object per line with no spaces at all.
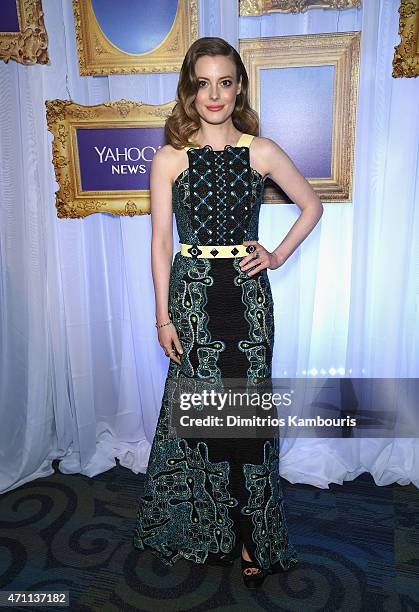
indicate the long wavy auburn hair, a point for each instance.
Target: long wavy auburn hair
{"x":184,"y":120}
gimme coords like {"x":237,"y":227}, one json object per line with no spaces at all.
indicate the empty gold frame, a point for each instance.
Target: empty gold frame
{"x":28,"y":44}
{"x":83,"y":190}
{"x":340,"y":53}
{"x":99,"y":56}
{"x":406,"y":54}
{"x":261,"y":7}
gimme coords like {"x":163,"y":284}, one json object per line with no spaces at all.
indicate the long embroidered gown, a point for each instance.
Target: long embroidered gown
{"x":204,"y":497}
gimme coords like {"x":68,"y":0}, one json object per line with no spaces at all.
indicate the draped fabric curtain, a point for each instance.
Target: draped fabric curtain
{"x":347,"y":300}
{"x":81,"y":371}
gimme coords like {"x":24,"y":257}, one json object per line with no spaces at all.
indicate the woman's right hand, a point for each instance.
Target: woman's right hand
{"x":170,"y":343}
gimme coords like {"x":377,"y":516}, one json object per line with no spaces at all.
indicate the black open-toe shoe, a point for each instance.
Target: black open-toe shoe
{"x":253,"y":580}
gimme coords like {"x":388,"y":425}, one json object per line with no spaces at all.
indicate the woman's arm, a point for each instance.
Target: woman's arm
{"x":162,"y":245}
{"x":162,"y":231}
{"x":282,"y":170}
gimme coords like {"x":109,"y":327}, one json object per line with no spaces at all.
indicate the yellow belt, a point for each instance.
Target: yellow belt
{"x":216,"y":251}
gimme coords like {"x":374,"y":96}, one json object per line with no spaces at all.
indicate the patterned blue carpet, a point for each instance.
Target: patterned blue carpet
{"x":358,"y":546}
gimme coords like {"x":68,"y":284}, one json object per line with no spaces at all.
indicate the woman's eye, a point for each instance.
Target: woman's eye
{"x":228,"y":81}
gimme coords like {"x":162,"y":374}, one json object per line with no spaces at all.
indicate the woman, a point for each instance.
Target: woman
{"x":204,"y":497}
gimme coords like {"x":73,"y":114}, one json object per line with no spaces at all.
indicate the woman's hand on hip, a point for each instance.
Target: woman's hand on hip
{"x":258,"y":260}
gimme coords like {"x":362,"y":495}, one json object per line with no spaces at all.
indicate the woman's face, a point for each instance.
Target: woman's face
{"x":217,"y":88}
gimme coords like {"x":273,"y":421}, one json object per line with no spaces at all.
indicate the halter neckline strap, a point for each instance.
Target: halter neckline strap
{"x":244,"y":141}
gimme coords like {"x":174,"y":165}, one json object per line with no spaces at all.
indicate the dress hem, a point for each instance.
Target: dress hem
{"x":284,"y":563}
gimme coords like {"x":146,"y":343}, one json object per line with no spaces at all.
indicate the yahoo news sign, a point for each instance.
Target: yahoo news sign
{"x":116,"y":158}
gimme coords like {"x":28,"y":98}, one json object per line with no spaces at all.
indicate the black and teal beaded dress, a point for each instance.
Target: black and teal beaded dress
{"x":204,"y":497}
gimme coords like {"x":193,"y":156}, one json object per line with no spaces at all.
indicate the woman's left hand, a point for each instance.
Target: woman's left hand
{"x":258,"y":260}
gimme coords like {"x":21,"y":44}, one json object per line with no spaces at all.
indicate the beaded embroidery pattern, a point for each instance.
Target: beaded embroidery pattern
{"x":187,"y":509}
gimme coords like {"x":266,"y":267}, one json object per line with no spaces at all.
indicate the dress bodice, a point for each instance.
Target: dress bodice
{"x":216,"y":200}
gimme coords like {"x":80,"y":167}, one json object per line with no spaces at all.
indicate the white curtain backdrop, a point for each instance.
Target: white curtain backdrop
{"x":81,"y":371}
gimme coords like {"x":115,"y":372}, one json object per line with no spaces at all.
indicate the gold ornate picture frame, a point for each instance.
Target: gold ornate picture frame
{"x":29,"y":43}
{"x":99,"y":56}
{"x":406,"y":54}
{"x":262,"y":7}
{"x":102,"y":155}
{"x":338,"y":53}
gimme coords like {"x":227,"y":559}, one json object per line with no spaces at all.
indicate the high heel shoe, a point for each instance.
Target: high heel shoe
{"x":253,"y":580}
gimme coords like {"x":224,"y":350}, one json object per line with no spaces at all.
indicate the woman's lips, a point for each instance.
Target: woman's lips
{"x":214,"y":108}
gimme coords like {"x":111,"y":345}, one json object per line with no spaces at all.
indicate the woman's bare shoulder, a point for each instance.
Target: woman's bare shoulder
{"x":165,"y":153}
{"x":263,"y":151}
{"x":259,"y":154}
{"x":264,"y":145}
{"x":169,"y":160}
